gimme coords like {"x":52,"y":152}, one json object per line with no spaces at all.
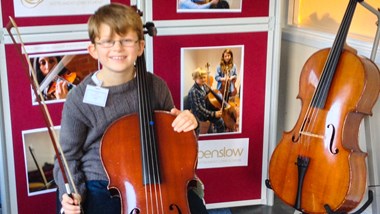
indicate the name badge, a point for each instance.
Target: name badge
{"x":96,"y":95}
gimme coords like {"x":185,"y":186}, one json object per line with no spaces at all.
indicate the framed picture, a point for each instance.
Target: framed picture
{"x":51,"y":12}
{"x":220,"y":110}
{"x":206,"y":9}
{"x":231,"y":155}
{"x":209,"y":6}
{"x":58,"y":73}
{"x":39,"y":161}
{"x":33,"y":8}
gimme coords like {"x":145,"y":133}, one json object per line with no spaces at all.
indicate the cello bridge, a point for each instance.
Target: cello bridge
{"x":309,"y":134}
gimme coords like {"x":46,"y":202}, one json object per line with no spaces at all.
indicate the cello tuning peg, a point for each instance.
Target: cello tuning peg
{"x":151,"y":30}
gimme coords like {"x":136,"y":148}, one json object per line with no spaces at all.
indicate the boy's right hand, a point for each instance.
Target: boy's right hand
{"x":71,"y":205}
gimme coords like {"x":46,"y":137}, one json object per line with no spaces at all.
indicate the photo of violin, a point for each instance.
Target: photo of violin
{"x":69,"y":77}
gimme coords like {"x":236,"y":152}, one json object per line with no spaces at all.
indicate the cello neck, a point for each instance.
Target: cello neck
{"x":147,"y":136}
{"x":327,"y":75}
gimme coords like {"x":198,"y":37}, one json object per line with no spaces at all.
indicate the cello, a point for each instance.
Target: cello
{"x":227,"y":84}
{"x":318,"y":166}
{"x":146,"y":161}
{"x":229,"y":113}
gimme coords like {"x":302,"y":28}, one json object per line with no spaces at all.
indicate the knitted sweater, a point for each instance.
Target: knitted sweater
{"x":83,"y":126}
{"x":197,"y":101}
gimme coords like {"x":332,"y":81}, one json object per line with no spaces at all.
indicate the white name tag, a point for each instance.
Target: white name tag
{"x":96,"y":95}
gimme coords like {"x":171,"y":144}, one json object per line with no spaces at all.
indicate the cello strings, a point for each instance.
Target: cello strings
{"x":328,"y":74}
{"x":155,"y":193}
{"x":142,"y":139}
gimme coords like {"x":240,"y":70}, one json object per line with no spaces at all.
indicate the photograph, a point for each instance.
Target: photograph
{"x":211,"y":86}
{"x":58,"y":74}
{"x":39,"y":161}
{"x":209,"y":6}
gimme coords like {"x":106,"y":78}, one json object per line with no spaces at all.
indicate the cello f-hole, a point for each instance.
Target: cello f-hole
{"x":296,"y":138}
{"x":135,"y":211}
{"x":175,"y":206}
{"x":332,"y":140}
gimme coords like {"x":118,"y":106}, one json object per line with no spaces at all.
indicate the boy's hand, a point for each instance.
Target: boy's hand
{"x":185,"y":120}
{"x":71,"y":205}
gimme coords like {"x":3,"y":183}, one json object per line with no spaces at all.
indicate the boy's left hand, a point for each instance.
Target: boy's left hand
{"x":185,"y":120}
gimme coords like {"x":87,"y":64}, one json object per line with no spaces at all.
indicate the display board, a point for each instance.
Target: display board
{"x":35,"y":19}
{"x":230,"y":163}
{"x":223,"y":183}
{"x":168,"y":10}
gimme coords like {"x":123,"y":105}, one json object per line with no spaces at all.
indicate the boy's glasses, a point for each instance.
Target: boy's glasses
{"x":111,"y":43}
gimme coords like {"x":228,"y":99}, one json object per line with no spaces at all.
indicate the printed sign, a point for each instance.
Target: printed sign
{"x":223,"y":153}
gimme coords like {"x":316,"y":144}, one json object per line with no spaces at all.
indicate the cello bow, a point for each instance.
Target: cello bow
{"x":67,"y":177}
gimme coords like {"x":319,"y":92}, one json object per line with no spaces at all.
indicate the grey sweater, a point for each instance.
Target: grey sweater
{"x":83,"y":126}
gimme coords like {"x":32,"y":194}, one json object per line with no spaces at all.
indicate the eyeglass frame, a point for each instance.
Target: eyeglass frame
{"x":111,"y":43}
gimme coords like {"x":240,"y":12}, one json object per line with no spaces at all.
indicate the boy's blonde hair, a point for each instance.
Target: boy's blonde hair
{"x":120,"y":18}
{"x":197,"y":73}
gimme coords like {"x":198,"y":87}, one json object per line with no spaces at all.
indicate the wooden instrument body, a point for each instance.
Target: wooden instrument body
{"x":122,"y":158}
{"x":336,"y":173}
{"x":69,"y":77}
{"x":215,"y":101}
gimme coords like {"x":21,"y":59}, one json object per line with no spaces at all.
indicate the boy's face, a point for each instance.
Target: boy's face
{"x":122,"y":54}
{"x":201,"y":80}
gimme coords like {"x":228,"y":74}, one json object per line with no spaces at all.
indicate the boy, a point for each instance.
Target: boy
{"x":197,"y":100}
{"x":117,"y":39}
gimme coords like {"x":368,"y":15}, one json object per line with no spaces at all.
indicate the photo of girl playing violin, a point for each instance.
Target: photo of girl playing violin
{"x":58,"y":74}
{"x":60,"y":84}
{"x":215,"y":95}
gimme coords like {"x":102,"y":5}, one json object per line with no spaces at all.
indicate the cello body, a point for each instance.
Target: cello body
{"x":319,"y":161}
{"x":123,"y":160}
{"x":215,"y":101}
{"x":318,"y":166}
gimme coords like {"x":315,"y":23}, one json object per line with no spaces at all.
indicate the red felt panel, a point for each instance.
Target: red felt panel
{"x":232,"y":183}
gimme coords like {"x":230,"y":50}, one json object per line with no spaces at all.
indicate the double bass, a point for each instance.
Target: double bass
{"x":147,"y":162}
{"x":318,"y":166}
